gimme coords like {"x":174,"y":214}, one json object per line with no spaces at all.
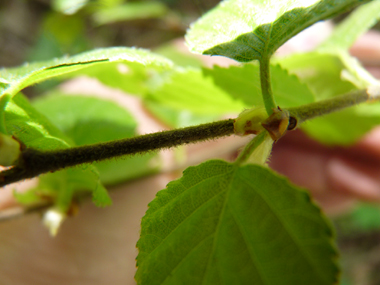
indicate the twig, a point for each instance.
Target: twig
{"x":34,"y":162}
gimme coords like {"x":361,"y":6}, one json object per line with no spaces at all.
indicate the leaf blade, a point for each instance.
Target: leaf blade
{"x":89,"y":120}
{"x":28,"y":74}
{"x":249,"y":30}
{"x":243,"y":83}
{"x":36,"y":131}
{"x":219,"y":219}
{"x":357,"y":23}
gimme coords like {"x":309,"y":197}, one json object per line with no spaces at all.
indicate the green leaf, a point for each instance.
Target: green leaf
{"x":177,"y":118}
{"x":248,"y":30}
{"x":344,"y":127}
{"x":28,"y":74}
{"x":243,"y":82}
{"x":130,"y":77}
{"x":130,"y":11}
{"x":223,"y":224}
{"x":33,"y":129}
{"x":88,"y":120}
{"x":59,"y":35}
{"x":322,"y":73}
{"x":366,"y":217}
{"x":171,"y":51}
{"x":189,"y":90}
{"x":356,"y":24}
{"x":329,"y":75}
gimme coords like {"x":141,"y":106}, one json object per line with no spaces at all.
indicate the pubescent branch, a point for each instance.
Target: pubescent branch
{"x":309,"y":111}
{"x":34,"y":162}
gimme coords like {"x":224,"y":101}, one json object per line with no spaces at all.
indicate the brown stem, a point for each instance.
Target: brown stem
{"x":35,"y":162}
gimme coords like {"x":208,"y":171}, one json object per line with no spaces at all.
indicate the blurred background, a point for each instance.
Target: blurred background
{"x":34,"y":30}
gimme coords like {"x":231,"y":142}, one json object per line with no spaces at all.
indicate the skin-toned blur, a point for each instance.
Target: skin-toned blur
{"x":98,"y":245}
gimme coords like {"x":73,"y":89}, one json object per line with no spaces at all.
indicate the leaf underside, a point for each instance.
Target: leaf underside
{"x":32,"y":128}
{"x":20,"y":77}
{"x":248,"y":30}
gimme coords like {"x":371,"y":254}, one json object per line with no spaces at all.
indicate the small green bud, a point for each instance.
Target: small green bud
{"x":9,"y":150}
{"x":249,"y":121}
{"x":262,"y":152}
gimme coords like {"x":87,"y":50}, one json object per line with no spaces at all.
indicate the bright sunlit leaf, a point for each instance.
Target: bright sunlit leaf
{"x":190,"y":90}
{"x":248,"y":30}
{"x":30,"y":73}
{"x":243,"y":83}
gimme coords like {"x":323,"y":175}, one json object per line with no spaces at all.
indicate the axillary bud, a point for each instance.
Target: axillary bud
{"x":277,"y":124}
{"x":249,"y":121}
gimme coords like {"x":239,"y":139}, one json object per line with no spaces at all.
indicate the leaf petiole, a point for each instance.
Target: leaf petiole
{"x":266,"y":88}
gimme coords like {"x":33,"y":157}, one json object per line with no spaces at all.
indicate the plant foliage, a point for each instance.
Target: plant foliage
{"x":221,"y":223}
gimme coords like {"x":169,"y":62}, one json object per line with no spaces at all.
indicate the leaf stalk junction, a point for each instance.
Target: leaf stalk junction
{"x":33,"y":162}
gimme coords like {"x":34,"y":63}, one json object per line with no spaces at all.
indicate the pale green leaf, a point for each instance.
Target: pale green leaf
{"x":180,"y":58}
{"x":224,"y":224}
{"x":357,"y":23}
{"x":68,"y":7}
{"x":132,"y":78}
{"x":130,"y":11}
{"x":31,"y":73}
{"x":89,"y":120}
{"x":34,"y":130}
{"x":243,"y":82}
{"x":189,"y":90}
{"x":329,"y":75}
{"x":31,"y":127}
{"x":344,"y":127}
{"x":247,"y":30}
{"x":321,"y":72}
{"x":177,"y":118}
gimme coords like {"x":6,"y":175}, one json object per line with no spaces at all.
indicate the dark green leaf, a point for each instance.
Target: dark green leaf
{"x":224,"y":224}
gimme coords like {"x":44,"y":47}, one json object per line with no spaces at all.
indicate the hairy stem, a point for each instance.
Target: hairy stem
{"x":310,"y":111}
{"x":34,"y":162}
{"x":266,"y":88}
